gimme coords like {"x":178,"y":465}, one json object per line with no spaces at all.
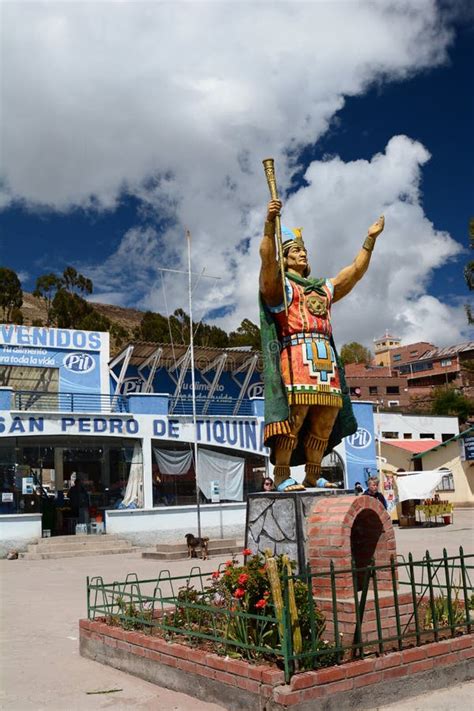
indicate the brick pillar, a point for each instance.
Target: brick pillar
{"x":346,"y":527}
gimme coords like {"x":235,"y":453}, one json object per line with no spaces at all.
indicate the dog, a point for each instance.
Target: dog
{"x":193,"y":543}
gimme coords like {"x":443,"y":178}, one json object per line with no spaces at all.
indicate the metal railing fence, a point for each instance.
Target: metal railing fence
{"x":213,"y":407}
{"x":68,"y":402}
{"x":438,"y":603}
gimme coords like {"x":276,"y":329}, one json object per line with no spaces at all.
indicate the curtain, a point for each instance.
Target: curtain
{"x":227,"y":470}
{"x":174,"y":463}
{"x":134,"y":491}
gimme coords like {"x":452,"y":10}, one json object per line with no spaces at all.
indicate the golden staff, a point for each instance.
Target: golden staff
{"x":269,"y":166}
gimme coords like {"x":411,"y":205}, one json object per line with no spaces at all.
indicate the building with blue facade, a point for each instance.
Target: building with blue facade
{"x":124,"y":428}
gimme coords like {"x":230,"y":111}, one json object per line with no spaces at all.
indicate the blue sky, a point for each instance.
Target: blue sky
{"x":110,"y":153}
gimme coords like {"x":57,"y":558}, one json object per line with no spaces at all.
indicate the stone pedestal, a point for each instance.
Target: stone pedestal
{"x":279,"y":521}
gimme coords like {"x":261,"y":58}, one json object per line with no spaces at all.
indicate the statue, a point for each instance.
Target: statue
{"x":307,"y":404}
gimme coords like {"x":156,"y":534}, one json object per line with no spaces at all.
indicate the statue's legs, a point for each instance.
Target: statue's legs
{"x":321,"y":419}
{"x":284,"y":446}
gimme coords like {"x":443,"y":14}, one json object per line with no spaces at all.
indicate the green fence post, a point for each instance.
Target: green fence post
{"x":377,"y":607}
{"x":312,"y":617}
{"x":395,"y":601}
{"x":448,"y":594}
{"x":334,"y":612}
{"x":434,"y":614}
{"x":464,"y":589}
{"x":357,"y":645}
{"x":414,"y":598}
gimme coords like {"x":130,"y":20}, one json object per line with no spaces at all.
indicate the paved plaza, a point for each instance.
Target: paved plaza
{"x":42,"y":601}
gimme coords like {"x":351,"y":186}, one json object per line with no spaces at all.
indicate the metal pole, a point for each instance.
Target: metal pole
{"x":193,"y":389}
{"x":379,"y":441}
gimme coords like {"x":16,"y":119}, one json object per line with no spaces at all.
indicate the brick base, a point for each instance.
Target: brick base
{"x":346,"y":617}
{"x":210,"y":677}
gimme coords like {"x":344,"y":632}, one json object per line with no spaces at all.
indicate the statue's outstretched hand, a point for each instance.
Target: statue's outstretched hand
{"x":377,"y":227}
{"x":273,"y":209}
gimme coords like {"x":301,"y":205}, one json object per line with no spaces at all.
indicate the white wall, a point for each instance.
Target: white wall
{"x":167,"y":523}
{"x":18,"y":530}
{"x":416,"y":425}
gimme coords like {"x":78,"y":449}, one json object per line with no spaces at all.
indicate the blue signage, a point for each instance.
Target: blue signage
{"x":361,"y":458}
{"x":469,"y":448}
{"x":77,"y":356}
{"x":42,"y":337}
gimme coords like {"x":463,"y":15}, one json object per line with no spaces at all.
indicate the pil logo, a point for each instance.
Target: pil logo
{"x":255,"y":390}
{"x":79,"y":362}
{"x":360,"y":439}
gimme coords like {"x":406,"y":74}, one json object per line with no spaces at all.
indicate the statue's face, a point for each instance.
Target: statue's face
{"x":297,"y":259}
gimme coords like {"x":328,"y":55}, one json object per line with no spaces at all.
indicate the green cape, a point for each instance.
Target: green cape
{"x":277,"y":410}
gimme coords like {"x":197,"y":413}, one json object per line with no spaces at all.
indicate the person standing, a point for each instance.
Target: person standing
{"x":79,"y":501}
{"x":373,"y":490}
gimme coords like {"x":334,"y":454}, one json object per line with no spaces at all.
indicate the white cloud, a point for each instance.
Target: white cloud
{"x":178,"y":103}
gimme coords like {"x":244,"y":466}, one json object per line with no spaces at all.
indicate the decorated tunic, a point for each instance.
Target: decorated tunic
{"x":307,"y":359}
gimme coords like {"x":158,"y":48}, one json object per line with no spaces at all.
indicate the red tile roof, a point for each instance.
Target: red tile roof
{"x":413,"y":445}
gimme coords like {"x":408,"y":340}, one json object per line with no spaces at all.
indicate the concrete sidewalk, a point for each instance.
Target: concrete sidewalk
{"x":42,"y":601}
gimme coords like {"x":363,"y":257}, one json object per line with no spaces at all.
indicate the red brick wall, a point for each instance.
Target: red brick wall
{"x":267,"y":682}
{"x":347,"y":526}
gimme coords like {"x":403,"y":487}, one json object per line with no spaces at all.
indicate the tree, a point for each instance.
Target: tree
{"x":210,"y":336}
{"x":247,"y":334}
{"x":153,"y":327}
{"x":449,"y":401}
{"x":68,"y":310}
{"x":469,"y":271}
{"x":47,"y":286}
{"x":11,"y":294}
{"x":355,"y":353}
{"x":71,"y":280}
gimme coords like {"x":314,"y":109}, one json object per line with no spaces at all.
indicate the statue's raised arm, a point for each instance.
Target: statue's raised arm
{"x":348,"y":277}
{"x":271,"y":287}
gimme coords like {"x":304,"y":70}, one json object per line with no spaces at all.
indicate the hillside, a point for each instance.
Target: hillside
{"x":33,"y":309}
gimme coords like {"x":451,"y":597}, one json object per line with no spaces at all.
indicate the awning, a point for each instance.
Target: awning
{"x":419,"y":486}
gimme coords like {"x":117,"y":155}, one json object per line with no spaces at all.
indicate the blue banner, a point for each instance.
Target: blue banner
{"x":361,"y":458}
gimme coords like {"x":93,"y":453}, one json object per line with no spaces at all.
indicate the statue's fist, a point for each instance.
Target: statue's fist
{"x":377,"y":227}
{"x":273,"y":209}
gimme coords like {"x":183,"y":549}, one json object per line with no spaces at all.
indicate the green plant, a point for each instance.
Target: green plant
{"x":441,"y":612}
{"x":131,"y":617}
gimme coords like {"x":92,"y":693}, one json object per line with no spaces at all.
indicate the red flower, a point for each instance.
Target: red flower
{"x":246,"y":551}
{"x":215,"y":574}
{"x":229,"y":563}
{"x":228,"y":572}
{"x":263,"y":570}
{"x":242,"y":579}
{"x":260,"y":604}
{"x":266,"y":593}
{"x":240,"y":592}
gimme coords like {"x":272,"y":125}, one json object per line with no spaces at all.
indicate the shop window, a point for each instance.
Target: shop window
{"x":393,"y":390}
{"x":393,"y":403}
{"x":447,"y":483}
{"x":390,"y":435}
{"x":373,"y":390}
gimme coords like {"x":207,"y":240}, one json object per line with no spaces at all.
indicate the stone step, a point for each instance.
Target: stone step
{"x":180,"y":555}
{"x":218,"y":542}
{"x":78,"y":553}
{"x":59,"y":540}
{"x":78,"y":544}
